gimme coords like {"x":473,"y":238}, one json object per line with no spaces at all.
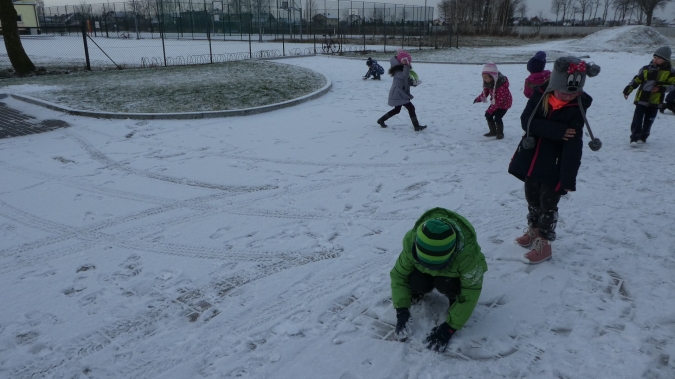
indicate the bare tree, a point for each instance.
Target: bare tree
{"x":557,"y":7}
{"x":521,"y":10}
{"x":10,"y":30}
{"x":584,"y":7}
{"x":606,"y":5}
{"x":648,"y":7}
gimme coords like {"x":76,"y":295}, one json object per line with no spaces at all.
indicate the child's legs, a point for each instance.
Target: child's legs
{"x":532,"y":196}
{"x":395,"y":111}
{"x":420,"y":282}
{"x":411,"y":109}
{"x":650,"y":116}
{"x":490,"y":117}
{"x":670,"y":97}
{"x":549,"y":212}
{"x":638,"y":119}
{"x":498,"y":114}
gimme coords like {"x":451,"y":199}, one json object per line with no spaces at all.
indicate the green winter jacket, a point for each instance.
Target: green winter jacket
{"x":648,"y":77}
{"x":468,"y":265}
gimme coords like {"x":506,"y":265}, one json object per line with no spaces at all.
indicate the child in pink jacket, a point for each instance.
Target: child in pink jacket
{"x":495,"y":88}
{"x":538,"y":75}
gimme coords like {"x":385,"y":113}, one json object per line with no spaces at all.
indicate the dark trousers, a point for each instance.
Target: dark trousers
{"x":397,"y":109}
{"x":643,"y":118}
{"x":421,"y":283}
{"x":670,"y":98}
{"x":496,"y":116}
{"x":542,"y":206}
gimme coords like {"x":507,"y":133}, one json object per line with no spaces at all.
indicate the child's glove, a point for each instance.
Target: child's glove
{"x":405,"y":61}
{"x":479,"y":99}
{"x":439,"y":337}
{"x":402,"y":324}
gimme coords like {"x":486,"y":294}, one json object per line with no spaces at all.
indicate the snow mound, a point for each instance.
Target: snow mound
{"x":624,"y":37}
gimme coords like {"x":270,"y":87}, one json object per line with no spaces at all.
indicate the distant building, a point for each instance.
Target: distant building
{"x":27,"y":19}
{"x":325,"y":21}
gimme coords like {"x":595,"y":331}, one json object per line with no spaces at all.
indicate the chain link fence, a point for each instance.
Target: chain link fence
{"x":149,"y":33}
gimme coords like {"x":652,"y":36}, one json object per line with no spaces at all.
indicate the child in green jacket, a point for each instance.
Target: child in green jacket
{"x":652,"y":82}
{"x":441,"y":252}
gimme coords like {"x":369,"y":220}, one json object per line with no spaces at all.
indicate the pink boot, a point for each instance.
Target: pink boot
{"x":541,"y":251}
{"x":528,"y":238}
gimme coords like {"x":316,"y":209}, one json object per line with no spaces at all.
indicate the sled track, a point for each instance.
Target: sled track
{"x":169,"y":305}
{"x":109,"y":163}
{"x":78,"y":184}
{"x":154,"y":365}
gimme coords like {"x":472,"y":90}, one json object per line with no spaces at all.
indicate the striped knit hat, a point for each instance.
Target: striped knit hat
{"x":435,"y":242}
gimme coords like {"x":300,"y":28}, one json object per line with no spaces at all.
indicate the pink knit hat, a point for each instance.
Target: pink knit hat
{"x":490,"y":68}
{"x":403,"y":54}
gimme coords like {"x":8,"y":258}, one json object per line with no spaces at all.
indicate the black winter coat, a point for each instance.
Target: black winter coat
{"x":552,"y":161}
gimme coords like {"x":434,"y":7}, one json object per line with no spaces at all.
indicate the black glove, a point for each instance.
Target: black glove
{"x":439,"y":337}
{"x":475,"y":100}
{"x":402,"y":321}
{"x":626,"y":91}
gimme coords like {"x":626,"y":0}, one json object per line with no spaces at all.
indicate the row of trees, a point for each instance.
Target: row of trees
{"x":486,"y":16}
{"x":642,"y":10}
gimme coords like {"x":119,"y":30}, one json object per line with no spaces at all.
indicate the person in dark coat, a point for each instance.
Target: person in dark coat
{"x":554,"y":118}
{"x":399,"y":94}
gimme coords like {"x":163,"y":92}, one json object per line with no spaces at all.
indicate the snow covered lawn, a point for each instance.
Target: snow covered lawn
{"x":233,"y":85}
{"x":260,"y":246}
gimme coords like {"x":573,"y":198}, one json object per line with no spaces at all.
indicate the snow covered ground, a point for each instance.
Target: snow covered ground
{"x":260,"y":246}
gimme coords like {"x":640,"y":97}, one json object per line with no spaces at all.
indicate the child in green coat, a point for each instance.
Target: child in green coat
{"x":441,"y":252}
{"x":652,"y":82}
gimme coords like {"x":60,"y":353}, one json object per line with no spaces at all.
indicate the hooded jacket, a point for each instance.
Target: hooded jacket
{"x":468,"y":265}
{"x":399,"y":94}
{"x":552,"y":161}
{"x":498,"y":92}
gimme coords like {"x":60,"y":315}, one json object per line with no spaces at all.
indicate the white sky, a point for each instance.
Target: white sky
{"x":260,"y":246}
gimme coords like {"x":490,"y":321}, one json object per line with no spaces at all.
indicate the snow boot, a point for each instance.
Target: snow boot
{"x":493,"y":129}
{"x":416,"y":124}
{"x":384,"y":118}
{"x":541,"y":251}
{"x":500,"y":130}
{"x":530,"y":234}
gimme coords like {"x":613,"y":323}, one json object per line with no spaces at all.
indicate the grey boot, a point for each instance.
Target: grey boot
{"x":416,"y":124}
{"x":500,"y":130}
{"x":493,"y":129}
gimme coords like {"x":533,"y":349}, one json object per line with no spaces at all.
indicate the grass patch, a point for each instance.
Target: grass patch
{"x":226,"y":86}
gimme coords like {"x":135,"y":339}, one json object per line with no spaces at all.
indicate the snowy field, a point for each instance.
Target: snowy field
{"x":260,"y":246}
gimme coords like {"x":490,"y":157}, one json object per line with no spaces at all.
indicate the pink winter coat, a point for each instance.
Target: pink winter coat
{"x":500,"y":96}
{"x":535,"y":80}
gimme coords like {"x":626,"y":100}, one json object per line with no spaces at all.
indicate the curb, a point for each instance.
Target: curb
{"x":178,"y":116}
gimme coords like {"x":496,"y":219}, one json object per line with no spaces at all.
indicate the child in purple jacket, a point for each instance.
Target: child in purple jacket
{"x":538,"y":75}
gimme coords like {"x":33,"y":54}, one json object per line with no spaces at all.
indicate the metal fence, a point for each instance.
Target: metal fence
{"x":149,"y":33}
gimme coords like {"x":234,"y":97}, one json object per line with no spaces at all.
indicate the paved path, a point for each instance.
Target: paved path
{"x":14,"y":123}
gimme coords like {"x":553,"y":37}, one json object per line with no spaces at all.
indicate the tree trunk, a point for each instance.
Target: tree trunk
{"x":20,"y":61}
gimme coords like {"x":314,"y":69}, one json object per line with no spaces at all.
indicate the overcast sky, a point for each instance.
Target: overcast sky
{"x":534,"y":6}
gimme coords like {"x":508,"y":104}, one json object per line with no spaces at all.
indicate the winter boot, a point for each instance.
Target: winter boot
{"x":541,"y":251}
{"x":416,"y":124}
{"x":384,"y":118}
{"x":493,"y":129}
{"x":500,"y":130}
{"x":530,"y":234}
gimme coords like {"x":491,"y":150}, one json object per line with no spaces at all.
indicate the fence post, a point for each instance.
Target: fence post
{"x":86,"y":48}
